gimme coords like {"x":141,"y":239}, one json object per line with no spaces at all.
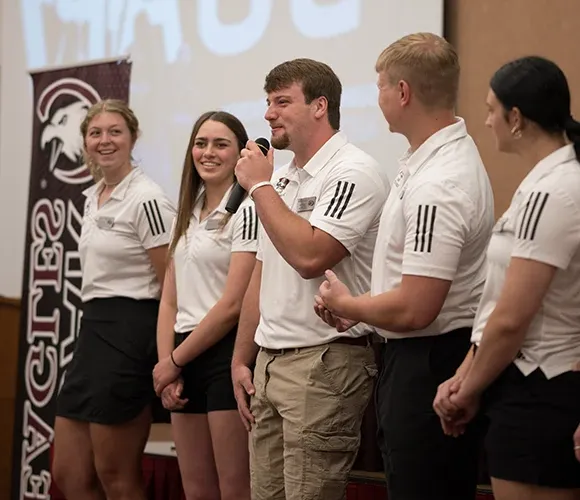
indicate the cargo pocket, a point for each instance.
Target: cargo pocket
{"x":328,"y":460}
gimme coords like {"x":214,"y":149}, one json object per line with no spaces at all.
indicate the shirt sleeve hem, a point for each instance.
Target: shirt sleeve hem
{"x":338,"y":234}
{"x":155,"y":244}
{"x":559,"y":262}
{"x":429,"y":272}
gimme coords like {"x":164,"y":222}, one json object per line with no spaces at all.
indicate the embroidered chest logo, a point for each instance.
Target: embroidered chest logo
{"x":281,"y":185}
{"x":306,"y":204}
{"x":400,"y":182}
{"x":399,"y":179}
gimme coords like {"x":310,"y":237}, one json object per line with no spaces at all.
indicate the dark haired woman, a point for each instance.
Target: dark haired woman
{"x":528,"y":322}
{"x":212,"y":257}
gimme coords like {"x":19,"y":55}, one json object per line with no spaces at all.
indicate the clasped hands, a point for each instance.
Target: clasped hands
{"x":455,"y":406}
{"x":332,"y":301}
{"x":168,"y":384}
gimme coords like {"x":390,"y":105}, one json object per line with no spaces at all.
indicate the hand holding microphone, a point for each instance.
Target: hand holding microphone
{"x":254,"y":166}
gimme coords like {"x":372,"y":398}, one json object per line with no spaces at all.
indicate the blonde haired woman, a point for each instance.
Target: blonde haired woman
{"x":104,"y":407}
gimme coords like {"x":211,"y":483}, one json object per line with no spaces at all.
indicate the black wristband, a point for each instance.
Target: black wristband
{"x":173,"y":361}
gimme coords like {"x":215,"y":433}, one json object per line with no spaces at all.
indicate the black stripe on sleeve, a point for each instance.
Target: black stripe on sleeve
{"x":524,"y":217}
{"x":426,"y":216}
{"x":532,"y":214}
{"x":340,"y":200}
{"x":159,"y":218}
{"x":154,"y":218}
{"x":245,"y":227}
{"x":149,"y":218}
{"x":255,"y":232}
{"x":347,"y":200}
{"x":431,"y":226}
{"x":333,"y":200}
{"x":250,"y":228}
{"x":250,"y":223}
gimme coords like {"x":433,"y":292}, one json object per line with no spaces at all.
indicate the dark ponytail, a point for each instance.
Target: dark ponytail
{"x":572,"y":128}
{"x":539,"y":89}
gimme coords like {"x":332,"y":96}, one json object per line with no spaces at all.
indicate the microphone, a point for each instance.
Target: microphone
{"x":238,"y":192}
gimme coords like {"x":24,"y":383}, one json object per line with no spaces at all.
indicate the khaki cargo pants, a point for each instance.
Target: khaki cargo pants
{"x":308,"y":407}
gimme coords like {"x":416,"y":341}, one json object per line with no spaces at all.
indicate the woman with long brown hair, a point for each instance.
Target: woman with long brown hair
{"x":212,"y":255}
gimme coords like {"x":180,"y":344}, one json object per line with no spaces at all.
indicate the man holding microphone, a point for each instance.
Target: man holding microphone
{"x":311,"y":384}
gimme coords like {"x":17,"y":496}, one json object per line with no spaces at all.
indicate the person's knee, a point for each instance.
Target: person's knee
{"x":194,"y":490}
{"x":60,"y":471}
{"x":235,"y":490}
{"x":118,"y":480}
{"x":74,"y":478}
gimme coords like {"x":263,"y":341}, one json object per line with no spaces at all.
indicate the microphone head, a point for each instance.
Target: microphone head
{"x":264,"y":144}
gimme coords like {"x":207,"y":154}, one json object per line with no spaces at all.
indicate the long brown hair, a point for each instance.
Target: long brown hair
{"x":191,"y":182}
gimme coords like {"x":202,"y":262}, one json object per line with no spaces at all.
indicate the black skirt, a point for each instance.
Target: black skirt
{"x":532,"y":421}
{"x":109,"y":380}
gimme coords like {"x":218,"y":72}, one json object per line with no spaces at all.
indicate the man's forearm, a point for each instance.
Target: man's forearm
{"x":245,"y":349}
{"x":290,"y":234}
{"x":388,"y":311}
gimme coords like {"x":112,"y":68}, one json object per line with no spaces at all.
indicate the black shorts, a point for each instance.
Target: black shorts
{"x":207,"y":380}
{"x":531,"y":424}
{"x":420,"y":460}
{"x":109,"y":379}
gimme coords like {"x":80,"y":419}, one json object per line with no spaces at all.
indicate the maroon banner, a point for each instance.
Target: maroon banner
{"x":52,"y":278}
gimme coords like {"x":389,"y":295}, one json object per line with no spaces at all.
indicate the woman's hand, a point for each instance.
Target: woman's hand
{"x":164,"y":373}
{"x":171,"y":396}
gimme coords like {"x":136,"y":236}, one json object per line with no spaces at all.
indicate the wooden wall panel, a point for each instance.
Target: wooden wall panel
{"x":9,"y":334}
{"x":488,"y":33}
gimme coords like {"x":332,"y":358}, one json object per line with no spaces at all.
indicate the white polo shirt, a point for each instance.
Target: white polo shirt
{"x":437,"y":223}
{"x":115,"y":239}
{"x":542,"y":224}
{"x":341,"y":191}
{"x":202,"y":258}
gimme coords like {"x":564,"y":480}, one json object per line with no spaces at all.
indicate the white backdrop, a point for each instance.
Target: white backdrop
{"x":190,"y":56}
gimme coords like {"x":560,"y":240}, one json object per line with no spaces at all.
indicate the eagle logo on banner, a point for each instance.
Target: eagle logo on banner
{"x":61,"y":127}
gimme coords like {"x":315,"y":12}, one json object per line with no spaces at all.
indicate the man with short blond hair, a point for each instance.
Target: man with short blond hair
{"x":428,"y":271}
{"x":429,"y":63}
